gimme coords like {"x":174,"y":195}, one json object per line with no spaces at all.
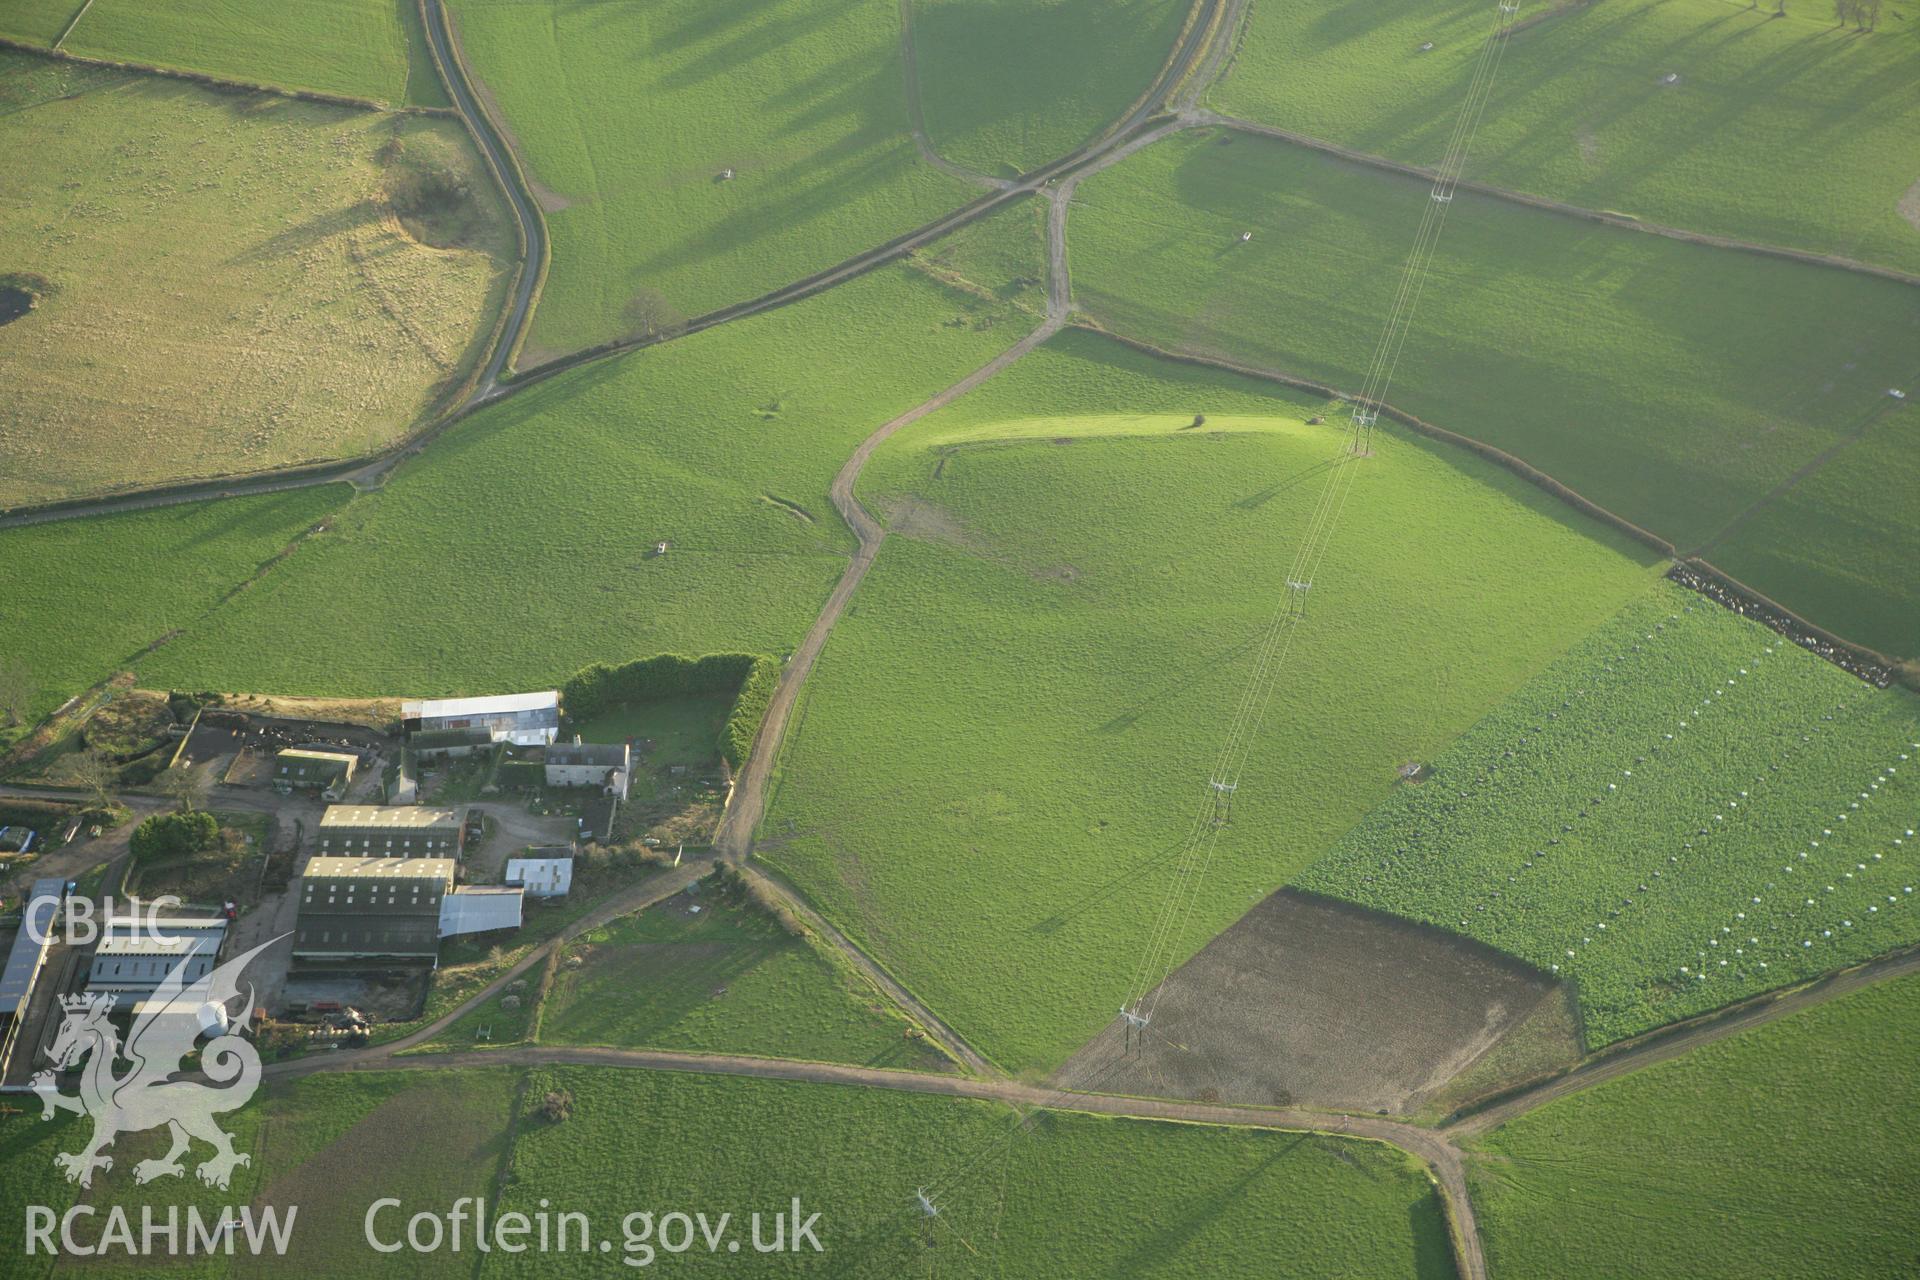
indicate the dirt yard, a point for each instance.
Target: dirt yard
{"x":371,"y":713}
{"x":1306,"y":1002}
{"x":237,"y":746}
{"x":394,"y":995}
{"x":514,"y":829}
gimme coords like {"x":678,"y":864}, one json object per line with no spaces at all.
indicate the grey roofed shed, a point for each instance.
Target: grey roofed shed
{"x":132,"y":955}
{"x":359,"y":908}
{"x":600,"y":755}
{"x":31,"y":945}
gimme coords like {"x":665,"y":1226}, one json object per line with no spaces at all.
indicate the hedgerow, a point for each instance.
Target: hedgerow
{"x":749,"y":709}
{"x":751,"y":678}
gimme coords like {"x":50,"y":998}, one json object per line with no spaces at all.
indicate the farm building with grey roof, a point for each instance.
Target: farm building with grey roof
{"x":391,"y":831}
{"x":607,"y":765}
{"x":136,"y":954}
{"x":355,"y":910}
{"x":312,"y":769}
{"x":523,"y":719}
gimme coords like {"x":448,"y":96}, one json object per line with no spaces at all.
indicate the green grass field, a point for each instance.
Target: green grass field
{"x":1712,"y":1165}
{"x":37,"y":22}
{"x":330,"y":1145}
{"x":1492,"y":721}
{"x":1073,"y":1194}
{"x":998,"y":750}
{"x":725,"y":979}
{"x":27,"y":1149}
{"x":519,"y":548}
{"x":225,"y":285}
{"x":372,"y":49}
{"x":468,"y":964}
{"x":1843,"y":542}
{"x":1007,"y":85}
{"x":626,"y":116}
{"x":1673,"y":384}
{"x":1684,"y":810}
{"x":683,"y":730}
{"x":1078,"y":1195}
{"x":1785,"y":131}
{"x":1003,"y":256}
{"x":83,"y":599}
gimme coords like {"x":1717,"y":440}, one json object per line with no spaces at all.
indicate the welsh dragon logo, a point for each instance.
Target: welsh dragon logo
{"x":146,"y":1095}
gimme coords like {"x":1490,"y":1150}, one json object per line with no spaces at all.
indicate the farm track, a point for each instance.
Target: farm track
{"x":359,"y":472}
{"x":1203,"y":53}
{"x":653,"y":890}
{"x":1192,"y":47}
{"x":74,"y":22}
{"x":72,"y":861}
{"x":931,"y":1022}
{"x":1437,"y":1148}
{"x":734,"y":838}
{"x":1663,"y":1046}
{"x":369,"y":471}
{"x":747,"y":803}
{"x":1219,"y":55}
{"x":1441,"y":1157}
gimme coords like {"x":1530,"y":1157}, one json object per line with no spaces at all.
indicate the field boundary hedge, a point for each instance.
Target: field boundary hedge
{"x":1622,"y":221}
{"x":1702,"y":576}
{"x":749,"y":677}
{"x":451,"y":404}
{"x":515,"y":379}
{"x":1724,"y":589}
{"x":1500,"y":457}
{"x":1737,"y":1018}
{"x":1027,"y":184}
{"x":1167,"y":89}
{"x":221,"y":84}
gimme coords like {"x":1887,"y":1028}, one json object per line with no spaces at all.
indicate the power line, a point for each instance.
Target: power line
{"x":1196,"y":852}
{"x":1193,"y":856}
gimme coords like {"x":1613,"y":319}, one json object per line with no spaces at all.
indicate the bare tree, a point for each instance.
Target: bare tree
{"x":650,"y":315}
{"x":17,"y":688}
{"x":1870,"y":14}
{"x":187,"y":785}
{"x":98,"y":775}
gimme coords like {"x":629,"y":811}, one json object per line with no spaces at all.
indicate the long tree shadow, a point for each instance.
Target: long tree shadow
{"x":1180,"y":684}
{"x":323,"y":226}
{"x":1260,"y":498}
{"x":1101,"y":894}
{"x":1171,"y":1239}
